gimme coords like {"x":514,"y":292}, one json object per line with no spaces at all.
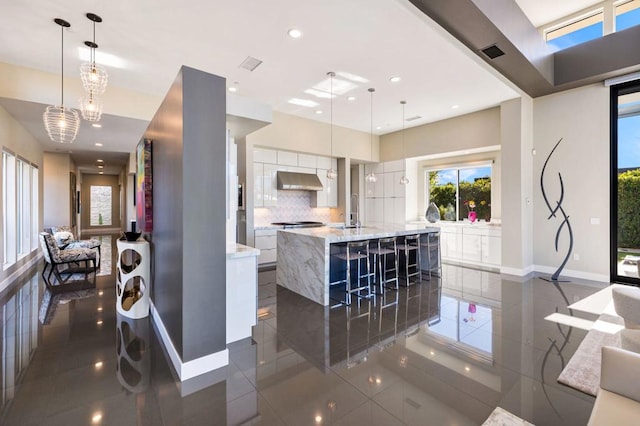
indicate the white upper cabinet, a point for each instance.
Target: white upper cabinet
{"x":265,"y":156}
{"x":286,"y":158}
{"x":398,"y":188}
{"x":389,"y":185}
{"x":270,"y":193}
{"x":306,"y":160}
{"x":394,"y":166}
{"x":258,"y":185}
{"x":323,"y":163}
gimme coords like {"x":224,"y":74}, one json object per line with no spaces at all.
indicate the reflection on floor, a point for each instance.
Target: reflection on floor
{"x":447,"y":351}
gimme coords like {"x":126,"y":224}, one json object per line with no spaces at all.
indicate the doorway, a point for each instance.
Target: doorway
{"x":625,"y":183}
{"x":100,"y":203}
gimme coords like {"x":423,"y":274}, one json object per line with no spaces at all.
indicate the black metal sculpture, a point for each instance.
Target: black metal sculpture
{"x":558,"y":209}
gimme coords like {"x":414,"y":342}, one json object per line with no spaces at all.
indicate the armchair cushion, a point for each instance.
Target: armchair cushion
{"x":63,"y":238}
{"x":618,"y":401}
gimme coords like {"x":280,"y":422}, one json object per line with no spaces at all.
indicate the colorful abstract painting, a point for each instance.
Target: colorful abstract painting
{"x":144,"y":187}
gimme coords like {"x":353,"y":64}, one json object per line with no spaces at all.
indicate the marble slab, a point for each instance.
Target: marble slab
{"x":338,"y":235}
{"x":235,"y":251}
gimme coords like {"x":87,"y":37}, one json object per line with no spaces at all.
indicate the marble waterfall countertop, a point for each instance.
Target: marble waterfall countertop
{"x":235,"y":251}
{"x":337,"y":234}
{"x":304,"y":254}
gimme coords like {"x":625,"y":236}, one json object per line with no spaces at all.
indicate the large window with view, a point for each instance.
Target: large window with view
{"x":19,"y":207}
{"x":627,"y":14}
{"x":460,"y":193}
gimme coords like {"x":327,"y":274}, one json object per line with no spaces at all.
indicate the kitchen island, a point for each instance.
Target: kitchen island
{"x":304,"y":254}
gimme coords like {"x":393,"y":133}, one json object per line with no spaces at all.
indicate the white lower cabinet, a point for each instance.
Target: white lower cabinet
{"x":474,"y":244}
{"x":266,"y":240}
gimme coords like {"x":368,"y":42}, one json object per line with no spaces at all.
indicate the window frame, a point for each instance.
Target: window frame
{"x":457,"y":167}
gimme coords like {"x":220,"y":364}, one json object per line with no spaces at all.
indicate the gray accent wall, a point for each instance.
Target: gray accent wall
{"x":188,"y":134}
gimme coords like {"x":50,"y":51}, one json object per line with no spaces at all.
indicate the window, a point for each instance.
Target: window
{"x":627,"y":14}
{"x":9,"y":208}
{"x":576,"y":31}
{"x":100,"y":205}
{"x":35,"y":193}
{"x":457,"y":191}
{"x":19,"y":207}
{"x":24,"y":207}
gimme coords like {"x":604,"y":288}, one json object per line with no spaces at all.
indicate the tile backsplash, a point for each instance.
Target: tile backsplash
{"x":292,"y":206}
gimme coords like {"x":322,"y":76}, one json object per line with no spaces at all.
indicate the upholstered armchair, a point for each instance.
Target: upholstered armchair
{"x":66,"y":240}
{"x":618,"y":400}
{"x":55,"y":258}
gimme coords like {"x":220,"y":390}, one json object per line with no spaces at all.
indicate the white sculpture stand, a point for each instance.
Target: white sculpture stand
{"x":133,"y":278}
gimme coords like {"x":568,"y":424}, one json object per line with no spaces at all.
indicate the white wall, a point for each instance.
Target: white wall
{"x":466,"y":132}
{"x":56,"y":189}
{"x":581,"y":118}
{"x":293,"y":133}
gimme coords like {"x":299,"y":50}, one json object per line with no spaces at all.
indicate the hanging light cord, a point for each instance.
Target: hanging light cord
{"x":62,"y":66}
{"x":371,"y":137}
{"x":331,"y":74}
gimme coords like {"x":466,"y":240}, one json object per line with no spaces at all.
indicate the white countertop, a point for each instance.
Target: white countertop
{"x":235,"y":251}
{"x":462,"y":223}
{"x":335,"y":235}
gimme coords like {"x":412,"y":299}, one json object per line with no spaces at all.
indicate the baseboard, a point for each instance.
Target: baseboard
{"x":573,"y":273}
{"x":193,"y":368}
{"x":518,"y":272}
{"x":21,"y":270}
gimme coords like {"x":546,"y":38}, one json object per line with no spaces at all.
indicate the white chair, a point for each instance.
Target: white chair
{"x":618,"y":400}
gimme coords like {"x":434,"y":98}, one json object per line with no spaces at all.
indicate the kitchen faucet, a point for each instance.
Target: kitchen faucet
{"x":355,"y":220}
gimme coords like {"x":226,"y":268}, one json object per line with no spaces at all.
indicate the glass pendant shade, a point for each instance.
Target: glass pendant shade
{"x":332,"y":174}
{"x":404,"y":180}
{"x":91,"y":108}
{"x":371,"y":177}
{"x":62,"y":123}
{"x":94,"y":78}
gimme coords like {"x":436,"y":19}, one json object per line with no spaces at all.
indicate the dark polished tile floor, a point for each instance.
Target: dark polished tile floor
{"x":444,"y":352}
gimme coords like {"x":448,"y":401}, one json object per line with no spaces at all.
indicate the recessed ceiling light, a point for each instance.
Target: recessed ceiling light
{"x":96,"y":125}
{"x":98,"y":144}
{"x":233,"y":89}
{"x":378,"y":127}
{"x":100,"y":293}
{"x":318,"y":111}
{"x":395,"y":79}
{"x":455,"y":106}
{"x":351,"y":98}
{"x":303,"y":102}
{"x":294,"y":33}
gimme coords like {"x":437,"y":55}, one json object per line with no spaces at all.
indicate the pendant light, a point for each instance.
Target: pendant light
{"x":94,"y":77}
{"x":371,"y":177}
{"x":62,"y":123}
{"x":331,"y":173}
{"x":403,"y":180}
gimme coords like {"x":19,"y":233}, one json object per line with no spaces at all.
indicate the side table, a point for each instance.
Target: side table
{"x":133,"y":278}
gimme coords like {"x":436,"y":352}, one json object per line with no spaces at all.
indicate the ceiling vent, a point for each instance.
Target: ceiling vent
{"x":250,"y":63}
{"x":415,"y":117}
{"x":492,"y":51}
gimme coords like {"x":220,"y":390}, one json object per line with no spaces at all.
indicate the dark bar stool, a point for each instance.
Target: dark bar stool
{"x":358,"y":252}
{"x":411,"y":244}
{"x":381,"y":250}
{"x":431,"y":243}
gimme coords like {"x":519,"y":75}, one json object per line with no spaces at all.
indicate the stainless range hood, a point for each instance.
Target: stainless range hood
{"x":299,"y":181}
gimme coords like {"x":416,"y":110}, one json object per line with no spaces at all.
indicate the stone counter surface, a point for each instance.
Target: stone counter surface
{"x":304,"y":254}
{"x":338,"y":235}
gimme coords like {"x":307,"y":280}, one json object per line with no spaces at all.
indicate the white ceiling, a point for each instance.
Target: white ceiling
{"x":375,"y":39}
